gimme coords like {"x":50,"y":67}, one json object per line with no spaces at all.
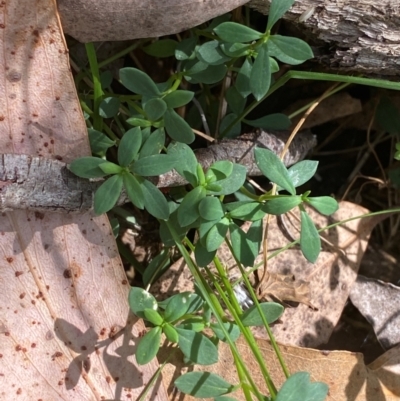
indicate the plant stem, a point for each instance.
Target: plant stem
{"x":98,"y":92}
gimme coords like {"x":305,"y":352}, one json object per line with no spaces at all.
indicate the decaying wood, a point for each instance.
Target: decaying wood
{"x":40,"y":184}
{"x":363,"y":35}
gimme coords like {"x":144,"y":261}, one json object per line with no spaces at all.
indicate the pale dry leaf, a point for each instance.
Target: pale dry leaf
{"x":348,"y":378}
{"x":330,"y":277}
{"x":379,"y":303}
{"x":336,"y":106}
{"x":65,"y":326}
{"x":98,"y":20}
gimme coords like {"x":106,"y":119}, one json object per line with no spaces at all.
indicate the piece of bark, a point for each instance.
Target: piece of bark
{"x":363,"y":35}
{"x":104,"y":20}
{"x":43,"y":185}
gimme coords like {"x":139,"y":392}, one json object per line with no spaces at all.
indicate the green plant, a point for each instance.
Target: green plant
{"x":221,"y":51}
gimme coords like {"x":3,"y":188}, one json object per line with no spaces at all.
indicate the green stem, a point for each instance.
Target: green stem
{"x":316,"y":76}
{"x":98,"y":92}
{"x":266,"y":325}
{"x":205,"y":290}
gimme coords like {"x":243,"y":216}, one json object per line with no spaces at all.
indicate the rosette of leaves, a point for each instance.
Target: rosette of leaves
{"x":138,"y":157}
{"x":158,"y":102}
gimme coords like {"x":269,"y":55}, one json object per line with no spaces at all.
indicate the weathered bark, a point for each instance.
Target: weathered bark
{"x":363,"y":35}
{"x":98,"y":20}
{"x":43,"y":185}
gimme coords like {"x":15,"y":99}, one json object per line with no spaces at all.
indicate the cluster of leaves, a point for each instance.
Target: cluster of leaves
{"x":183,"y":319}
{"x":145,"y":150}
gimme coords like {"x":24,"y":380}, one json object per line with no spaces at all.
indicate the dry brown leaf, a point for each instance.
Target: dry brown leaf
{"x":379,"y":303}
{"x":349,"y":379}
{"x":330,"y":278}
{"x":66,"y":332}
{"x":98,"y":20}
{"x":284,"y":287}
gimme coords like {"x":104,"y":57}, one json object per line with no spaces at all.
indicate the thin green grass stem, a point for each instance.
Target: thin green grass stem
{"x":255,"y":300}
{"x":98,"y":92}
{"x":205,"y":292}
{"x":316,"y":76}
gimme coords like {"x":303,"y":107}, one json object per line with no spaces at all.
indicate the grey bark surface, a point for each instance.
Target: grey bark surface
{"x":98,"y":20}
{"x":363,"y":35}
{"x":46,"y":185}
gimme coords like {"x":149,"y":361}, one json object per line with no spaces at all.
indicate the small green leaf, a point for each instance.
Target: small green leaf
{"x":225,"y":398}
{"x":232,"y":183}
{"x":107,"y":194}
{"x":276,"y":121}
{"x":109,"y":107}
{"x":153,"y":317}
{"x":161,"y":48}
{"x":203,"y":384}
{"x":138,"y":82}
{"x":197,"y":347}
{"x":243,"y":78}
{"x":181,"y":304}
{"x":222,"y":169}
{"x":211,"y":75}
{"x":185,"y":49}
{"x":188,"y":210}
{"x":232,"y":329}
{"x":310,"y":242}
{"x":187,"y":165}
{"x":260,"y":76}
{"x":274,"y":65}
{"x":232,"y":32}
{"x":273,"y":168}
{"x":110,"y":168}
{"x":171,"y":333}
{"x":87,"y":167}
{"x":129,"y":146}
{"x":210,"y":208}
{"x":210,"y":53}
{"x":240,"y":245}
{"x":289,"y":50}
{"x":216,"y":235}
{"x":155,"y":109}
{"x":255,"y":236}
{"x":99,"y":142}
{"x":139,"y":122}
{"x":139,"y":300}
{"x":177,"y":128}
{"x":276,"y":11}
{"x":281,"y":204}
{"x":178,"y":98}
{"x":154,"y":143}
{"x":249,"y":211}
{"x":235,"y":49}
{"x":202,"y":256}
{"x":271,"y":310}
{"x":235,"y":100}
{"x":133,"y":190}
{"x":298,"y":387}
{"x":155,"y":202}
{"x":302,"y":171}
{"x":148,"y":346}
{"x":154,"y":165}
{"x":387,"y":116}
{"x":324,"y":204}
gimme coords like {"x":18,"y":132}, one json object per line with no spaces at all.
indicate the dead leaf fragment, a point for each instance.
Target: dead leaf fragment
{"x":348,"y":378}
{"x":379,"y":303}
